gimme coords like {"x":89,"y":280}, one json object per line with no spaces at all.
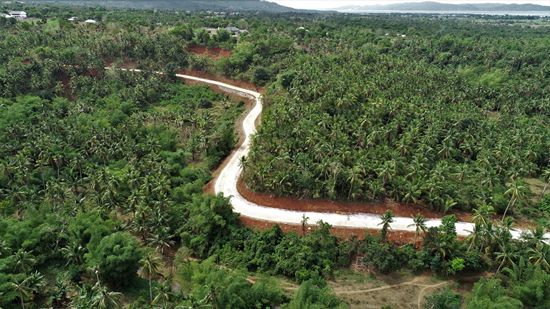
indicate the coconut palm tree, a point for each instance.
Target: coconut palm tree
{"x":24,"y":260}
{"x":5,"y":248}
{"x":482,"y":215}
{"x":73,"y":252}
{"x":102,"y":298}
{"x":539,"y":255}
{"x":506,"y":255}
{"x":508,"y":224}
{"x":22,"y":290}
{"x":474,"y":239}
{"x":150,"y":264}
{"x":517,"y":191}
{"x":163,"y":293}
{"x":304,"y":223}
{"x":28,"y":286}
{"x":420,"y":224}
{"x":538,"y":234}
{"x":386,"y":221}
{"x":161,"y":239}
{"x":386,"y":171}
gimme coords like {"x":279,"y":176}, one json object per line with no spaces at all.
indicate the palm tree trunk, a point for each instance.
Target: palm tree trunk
{"x":22,"y":301}
{"x":150,"y":291}
{"x":470,"y":246}
{"x":512,"y":202}
{"x":500,"y":266}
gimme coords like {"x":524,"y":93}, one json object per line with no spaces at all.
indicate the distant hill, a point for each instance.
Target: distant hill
{"x":189,"y":5}
{"x":446,"y":7}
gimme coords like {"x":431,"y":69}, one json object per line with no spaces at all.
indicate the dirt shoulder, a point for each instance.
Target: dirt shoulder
{"x":214,"y":53}
{"x":397,"y":237}
{"x":343,"y":207}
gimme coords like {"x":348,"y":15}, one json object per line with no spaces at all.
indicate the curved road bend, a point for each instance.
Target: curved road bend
{"x":226,"y":183}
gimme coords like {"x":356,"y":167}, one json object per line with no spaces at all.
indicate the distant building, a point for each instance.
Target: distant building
{"x":17,"y":14}
{"x":90,"y":21}
{"x":72,"y":18}
{"x":233,"y":30}
{"x":211,"y":31}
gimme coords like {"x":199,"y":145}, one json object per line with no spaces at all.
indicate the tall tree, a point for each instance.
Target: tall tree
{"x":420,"y":226}
{"x":386,"y":221}
{"x":150,"y":264}
{"x":517,"y":190}
{"x":26,"y":287}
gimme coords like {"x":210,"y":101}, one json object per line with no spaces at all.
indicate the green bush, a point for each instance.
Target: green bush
{"x":490,"y":294}
{"x":312,"y":296}
{"x":445,"y":299}
{"x":380,"y":256}
{"x":116,"y":258}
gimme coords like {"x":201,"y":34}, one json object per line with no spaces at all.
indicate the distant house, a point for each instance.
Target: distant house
{"x":72,"y":18}
{"x":90,"y":21}
{"x":18,"y":14}
{"x":235,"y":31}
{"x":211,"y":31}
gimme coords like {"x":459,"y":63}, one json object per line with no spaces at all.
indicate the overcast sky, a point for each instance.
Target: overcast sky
{"x":329,"y":4}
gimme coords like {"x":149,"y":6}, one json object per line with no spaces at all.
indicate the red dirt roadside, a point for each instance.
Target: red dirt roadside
{"x":397,"y":237}
{"x":211,"y":52}
{"x":343,"y":207}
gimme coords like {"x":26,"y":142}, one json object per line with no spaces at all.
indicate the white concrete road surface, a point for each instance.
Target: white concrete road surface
{"x":226,"y":183}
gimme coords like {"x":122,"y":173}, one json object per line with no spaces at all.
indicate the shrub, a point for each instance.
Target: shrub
{"x":116,"y":258}
{"x":490,"y":294}
{"x":455,"y":266}
{"x":445,"y":299}
{"x":380,"y":256}
{"x":311,"y":295}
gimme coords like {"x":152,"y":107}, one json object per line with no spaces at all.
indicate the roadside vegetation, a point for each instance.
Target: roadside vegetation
{"x":102,"y":171}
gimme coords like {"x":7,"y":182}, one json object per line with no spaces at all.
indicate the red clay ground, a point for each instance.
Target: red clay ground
{"x":238,"y":83}
{"x":397,"y":237}
{"x":211,"y":52}
{"x":344,"y":207}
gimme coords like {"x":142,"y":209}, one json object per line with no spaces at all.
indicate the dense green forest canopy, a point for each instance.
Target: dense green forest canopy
{"x":421,"y":114}
{"x":102,"y":171}
{"x":187,"y":5}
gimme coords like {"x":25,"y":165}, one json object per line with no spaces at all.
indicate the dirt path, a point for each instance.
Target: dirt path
{"x":415,"y":300}
{"x":413,"y":282}
{"x":228,"y":179}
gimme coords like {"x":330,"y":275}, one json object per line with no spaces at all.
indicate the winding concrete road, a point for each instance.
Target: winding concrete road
{"x":226,"y":183}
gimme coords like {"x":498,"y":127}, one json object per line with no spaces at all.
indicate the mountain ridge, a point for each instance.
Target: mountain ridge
{"x":434,"y":6}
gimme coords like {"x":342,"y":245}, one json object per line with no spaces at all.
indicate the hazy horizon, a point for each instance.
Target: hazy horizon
{"x":331,"y":4}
